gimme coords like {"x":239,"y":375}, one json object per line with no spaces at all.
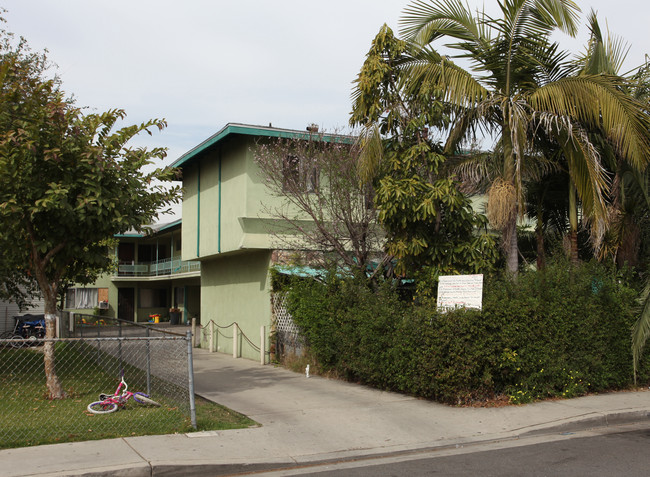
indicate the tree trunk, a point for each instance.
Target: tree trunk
{"x":541,"y":257}
{"x":629,"y":243}
{"x":54,"y":388}
{"x":510,"y":230}
{"x":512,"y":251}
{"x":539,"y":233}
{"x":573,"y":223}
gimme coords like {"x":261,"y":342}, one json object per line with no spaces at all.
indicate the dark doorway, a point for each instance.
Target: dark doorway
{"x":125,"y":299}
{"x":126,"y":252}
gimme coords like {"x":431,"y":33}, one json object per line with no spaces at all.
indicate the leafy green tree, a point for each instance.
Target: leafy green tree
{"x":68,"y":184}
{"x":522,"y":89}
{"x":17,"y":287}
{"x":429,"y":222}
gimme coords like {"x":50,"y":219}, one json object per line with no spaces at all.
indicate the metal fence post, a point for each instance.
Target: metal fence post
{"x":194,"y":329}
{"x":190,"y":374}
{"x":148,"y":363}
{"x":119,"y":343}
{"x":99,"y":344}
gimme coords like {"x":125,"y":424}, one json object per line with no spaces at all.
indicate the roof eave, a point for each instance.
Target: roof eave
{"x":249,"y":130}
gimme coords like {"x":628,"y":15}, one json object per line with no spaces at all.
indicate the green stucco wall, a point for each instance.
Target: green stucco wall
{"x":229,"y":217}
{"x":211,"y":208}
{"x":236,"y":288}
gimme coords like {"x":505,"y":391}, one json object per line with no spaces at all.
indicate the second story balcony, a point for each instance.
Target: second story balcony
{"x":160,"y":268}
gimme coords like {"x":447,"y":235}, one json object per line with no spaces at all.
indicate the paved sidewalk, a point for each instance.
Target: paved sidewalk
{"x":309,"y":420}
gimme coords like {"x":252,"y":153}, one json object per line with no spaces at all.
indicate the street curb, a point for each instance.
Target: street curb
{"x":601,"y":420}
{"x":151,"y":468}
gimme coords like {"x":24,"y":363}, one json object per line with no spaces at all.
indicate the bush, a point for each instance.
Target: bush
{"x":562,"y":332}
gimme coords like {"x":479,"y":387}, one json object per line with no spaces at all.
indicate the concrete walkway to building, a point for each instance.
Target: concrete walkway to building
{"x":306,"y":420}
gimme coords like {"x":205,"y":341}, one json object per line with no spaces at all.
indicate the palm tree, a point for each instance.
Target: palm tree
{"x":522,"y":89}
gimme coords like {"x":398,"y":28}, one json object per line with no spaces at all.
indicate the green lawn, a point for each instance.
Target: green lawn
{"x":28,"y":418}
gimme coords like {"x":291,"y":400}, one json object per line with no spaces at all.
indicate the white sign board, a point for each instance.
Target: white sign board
{"x":460,"y":291}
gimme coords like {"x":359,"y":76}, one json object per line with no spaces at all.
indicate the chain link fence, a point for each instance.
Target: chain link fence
{"x":90,"y":361}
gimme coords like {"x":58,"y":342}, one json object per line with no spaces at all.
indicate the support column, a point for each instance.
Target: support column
{"x":263,"y":345}
{"x":212,"y":343}
{"x":235,"y":340}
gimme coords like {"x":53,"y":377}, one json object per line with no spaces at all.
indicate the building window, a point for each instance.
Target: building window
{"x":152,"y":298}
{"x":84,"y":298}
{"x":300,"y":174}
{"x":69,"y":298}
{"x":179,"y":296}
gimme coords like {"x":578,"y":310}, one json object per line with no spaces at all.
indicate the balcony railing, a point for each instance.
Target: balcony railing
{"x":160,"y":268}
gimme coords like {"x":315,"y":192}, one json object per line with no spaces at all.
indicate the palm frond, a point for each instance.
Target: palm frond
{"x":587,"y":173}
{"x":371,"y":152}
{"x":426,"y":21}
{"x":603,"y":55}
{"x":528,"y":24}
{"x":598,"y":102}
{"x":459,"y":86}
{"x":563,"y":14}
{"x":475,"y":170}
{"x":468,"y":121}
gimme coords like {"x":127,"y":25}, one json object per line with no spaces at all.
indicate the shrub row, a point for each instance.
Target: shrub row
{"x":558,"y":333}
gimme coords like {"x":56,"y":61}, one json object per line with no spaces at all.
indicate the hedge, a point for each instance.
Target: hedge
{"x":562,"y":332}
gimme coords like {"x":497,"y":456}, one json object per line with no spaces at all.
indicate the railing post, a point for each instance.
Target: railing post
{"x":263,"y":345}
{"x":211,"y":328}
{"x":235,"y":340}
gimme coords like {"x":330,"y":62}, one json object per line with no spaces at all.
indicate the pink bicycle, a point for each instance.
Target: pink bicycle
{"x":110,"y":403}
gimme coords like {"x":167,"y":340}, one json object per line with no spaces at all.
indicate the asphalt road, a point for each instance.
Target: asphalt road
{"x":613,"y":451}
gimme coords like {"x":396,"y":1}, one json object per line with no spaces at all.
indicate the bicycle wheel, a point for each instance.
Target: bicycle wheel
{"x":18,"y":341}
{"x":142,"y":398}
{"x":7,"y":335}
{"x":102,"y":407}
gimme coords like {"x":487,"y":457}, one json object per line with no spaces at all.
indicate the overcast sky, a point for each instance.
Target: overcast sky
{"x":202,"y":64}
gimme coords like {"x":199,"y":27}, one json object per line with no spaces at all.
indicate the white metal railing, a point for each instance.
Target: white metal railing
{"x":168,"y":266}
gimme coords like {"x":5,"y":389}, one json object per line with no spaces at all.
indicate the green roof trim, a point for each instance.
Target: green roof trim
{"x":153,"y":228}
{"x":249,"y":130}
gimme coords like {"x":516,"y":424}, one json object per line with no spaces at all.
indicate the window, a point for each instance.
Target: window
{"x":179,"y":296}
{"x":69,"y":298}
{"x":84,"y":298}
{"x":152,"y":298}
{"x":299,"y":174}
{"x":148,"y":253}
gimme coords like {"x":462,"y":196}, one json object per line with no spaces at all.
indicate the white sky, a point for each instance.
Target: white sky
{"x":201,"y":64}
